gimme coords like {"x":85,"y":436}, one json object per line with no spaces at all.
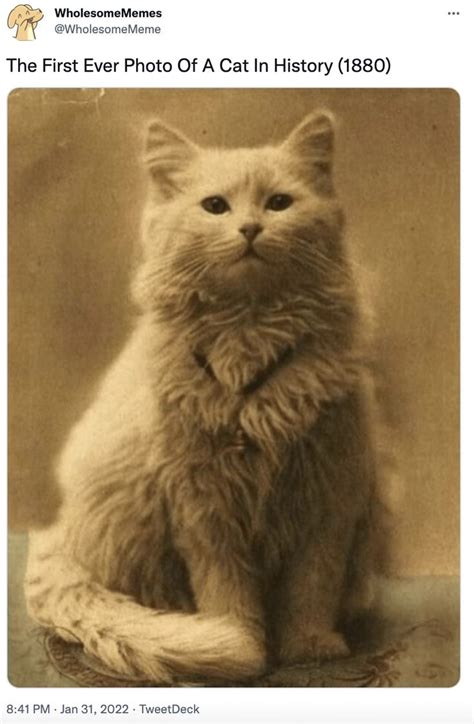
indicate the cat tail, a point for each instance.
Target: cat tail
{"x":143,"y":643}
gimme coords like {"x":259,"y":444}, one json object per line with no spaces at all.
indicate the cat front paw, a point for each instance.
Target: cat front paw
{"x":317,"y":645}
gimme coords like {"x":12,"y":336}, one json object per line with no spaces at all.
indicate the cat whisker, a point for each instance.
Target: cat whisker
{"x":311,"y":247}
{"x":322,"y":264}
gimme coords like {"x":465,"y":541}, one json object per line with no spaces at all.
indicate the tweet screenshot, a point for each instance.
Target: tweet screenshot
{"x":232,"y":349}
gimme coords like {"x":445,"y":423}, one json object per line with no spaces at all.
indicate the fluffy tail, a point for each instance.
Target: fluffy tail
{"x":159,"y":646}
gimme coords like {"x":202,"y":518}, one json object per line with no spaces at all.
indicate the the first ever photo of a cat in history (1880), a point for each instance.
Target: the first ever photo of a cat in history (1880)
{"x":233,"y":380}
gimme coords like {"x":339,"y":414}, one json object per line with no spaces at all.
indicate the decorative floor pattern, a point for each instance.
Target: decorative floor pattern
{"x":412,"y":641}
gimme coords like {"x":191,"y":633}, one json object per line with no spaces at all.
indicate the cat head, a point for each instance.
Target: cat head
{"x":240,"y":222}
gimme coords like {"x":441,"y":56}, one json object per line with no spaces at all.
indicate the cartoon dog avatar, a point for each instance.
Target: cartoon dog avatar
{"x":26,"y":19}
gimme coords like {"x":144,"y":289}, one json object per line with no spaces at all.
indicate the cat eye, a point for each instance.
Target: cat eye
{"x":215,"y":205}
{"x":279,"y":202}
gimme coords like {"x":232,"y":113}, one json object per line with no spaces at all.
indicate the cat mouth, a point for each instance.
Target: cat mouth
{"x":250,"y":253}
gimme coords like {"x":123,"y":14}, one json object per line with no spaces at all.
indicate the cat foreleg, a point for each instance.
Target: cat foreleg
{"x":224,"y":588}
{"x":310,"y":600}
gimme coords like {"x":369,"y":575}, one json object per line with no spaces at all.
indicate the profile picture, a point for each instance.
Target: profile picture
{"x":25,"y":19}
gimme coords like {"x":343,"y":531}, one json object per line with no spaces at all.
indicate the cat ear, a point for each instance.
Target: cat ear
{"x":312,"y":142}
{"x":168,"y":154}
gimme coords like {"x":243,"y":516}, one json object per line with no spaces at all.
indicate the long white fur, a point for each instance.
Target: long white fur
{"x":143,"y":457}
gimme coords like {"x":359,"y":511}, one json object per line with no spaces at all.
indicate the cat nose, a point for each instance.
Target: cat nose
{"x":250,"y":231}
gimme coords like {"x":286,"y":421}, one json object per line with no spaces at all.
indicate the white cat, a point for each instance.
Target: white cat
{"x":218,"y":492}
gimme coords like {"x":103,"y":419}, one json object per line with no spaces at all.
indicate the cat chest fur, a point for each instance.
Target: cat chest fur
{"x":246,"y":430}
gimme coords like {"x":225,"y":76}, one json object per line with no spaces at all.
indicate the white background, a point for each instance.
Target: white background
{"x":427,"y":48}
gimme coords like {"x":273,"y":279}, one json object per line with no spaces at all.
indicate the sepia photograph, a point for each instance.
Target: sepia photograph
{"x":233,"y":387}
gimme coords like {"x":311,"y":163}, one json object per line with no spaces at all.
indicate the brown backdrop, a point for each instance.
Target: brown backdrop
{"x":76,"y":188}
